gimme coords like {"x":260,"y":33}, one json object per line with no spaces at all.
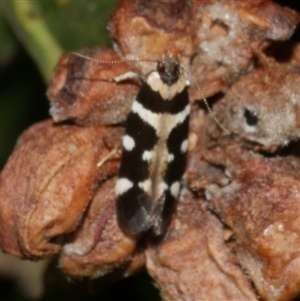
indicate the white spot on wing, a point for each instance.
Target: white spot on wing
{"x":147,"y":156}
{"x":184,"y":146}
{"x":128,"y":143}
{"x":146,"y":186}
{"x":175,"y":189}
{"x":122,"y":186}
{"x":162,"y":188}
{"x":170,"y":157}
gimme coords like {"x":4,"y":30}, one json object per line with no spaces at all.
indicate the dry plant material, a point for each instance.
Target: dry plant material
{"x":229,"y":33}
{"x":264,"y":106}
{"x":80,"y":90}
{"x":220,"y":37}
{"x":99,"y":247}
{"x":146,"y":29}
{"x":262,"y":207}
{"x":47,"y":184}
{"x":235,"y":232}
{"x":193,"y":262}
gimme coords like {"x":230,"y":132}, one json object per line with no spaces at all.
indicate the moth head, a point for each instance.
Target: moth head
{"x":169,"y":70}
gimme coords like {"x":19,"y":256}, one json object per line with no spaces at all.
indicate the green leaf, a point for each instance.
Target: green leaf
{"x":9,"y":43}
{"x":79,"y":24}
{"x":48,"y":28}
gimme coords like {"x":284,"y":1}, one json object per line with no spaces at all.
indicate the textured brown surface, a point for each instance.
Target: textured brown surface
{"x":80,"y":90}
{"x":147,"y":29}
{"x":46,"y":186}
{"x":221,"y":37}
{"x":262,"y":207}
{"x":235,"y":232}
{"x":229,"y":33}
{"x":193,"y":262}
{"x":264,"y":106}
{"x":99,"y":246}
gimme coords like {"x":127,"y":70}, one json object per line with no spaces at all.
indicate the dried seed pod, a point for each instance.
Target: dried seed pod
{"x":193,"y":262}
{"x":264,"y":107}
{"x":57,"y":188}
{"x":227,"y":36}
{"x":47,"y":184}
{"x":99,"y":246}
{"x":138,"y":26}
{"x":80,"y":89}
{"x":261,"y":206}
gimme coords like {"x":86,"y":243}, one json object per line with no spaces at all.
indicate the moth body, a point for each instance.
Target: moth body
{"x":154,"y":151}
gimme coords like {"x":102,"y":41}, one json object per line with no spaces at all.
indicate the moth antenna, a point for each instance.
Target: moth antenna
{"x":112,"y":61}
{"x":205,"y":101}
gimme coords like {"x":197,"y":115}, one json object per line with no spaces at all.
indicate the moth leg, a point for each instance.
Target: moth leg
{"x":107,"y":157}
{"x":126,"y":76}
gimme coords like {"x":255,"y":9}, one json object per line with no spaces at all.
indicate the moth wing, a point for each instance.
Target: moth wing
{"x":145,"y":215}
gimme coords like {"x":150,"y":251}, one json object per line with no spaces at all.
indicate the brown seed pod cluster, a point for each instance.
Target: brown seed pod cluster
{"x":235,"y":233}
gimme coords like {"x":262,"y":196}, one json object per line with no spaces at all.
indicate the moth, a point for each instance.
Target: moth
{"x":154,"y":149}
